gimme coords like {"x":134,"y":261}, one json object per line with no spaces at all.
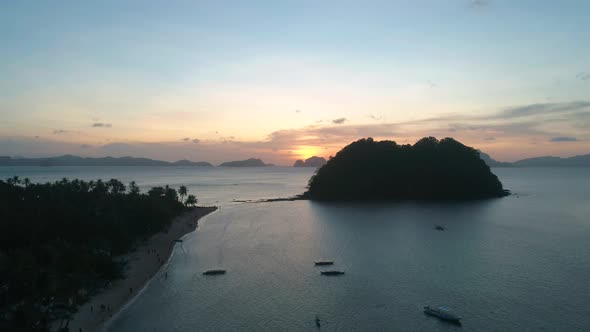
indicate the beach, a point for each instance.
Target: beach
{"x":143,"y":264}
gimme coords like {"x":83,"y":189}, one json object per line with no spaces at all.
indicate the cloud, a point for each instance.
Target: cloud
{"x":563,"y":139}
{"x":297,"y":111}
{"x":188,"y":139}
{"x":101,"y":125}
{"x":376,"y":118}
{"x":339,"y":121}
{"x":584,"y":76}
{"x":516,"y":124}
{"x":508,"y":133}
{"x":61,"y":131}
{"x":85,"y":146}
{"x":543,"y":109}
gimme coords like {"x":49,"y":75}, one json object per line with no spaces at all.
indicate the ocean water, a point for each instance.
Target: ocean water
{"x":519,"y":263}
{"x":211,"y":185}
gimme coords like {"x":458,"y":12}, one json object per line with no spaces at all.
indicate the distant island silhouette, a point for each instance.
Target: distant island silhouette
{"x":252,"y":162}
{"x":70,"y":160}
{"x":383,"y":170}
{"x":310,"y":162}
{"x":546,"y":161}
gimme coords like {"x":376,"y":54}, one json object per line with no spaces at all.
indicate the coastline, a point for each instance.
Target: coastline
{"x":143,"y":264}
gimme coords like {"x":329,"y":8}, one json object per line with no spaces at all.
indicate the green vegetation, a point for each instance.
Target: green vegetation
{"x":428,"y":170}
{"x":58,"y":241}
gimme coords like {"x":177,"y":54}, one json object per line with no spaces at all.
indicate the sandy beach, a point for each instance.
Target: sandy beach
{"x":143,"y":264}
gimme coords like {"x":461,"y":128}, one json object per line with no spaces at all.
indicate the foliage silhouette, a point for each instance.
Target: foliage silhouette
{"x":57,"y":239}
{"x":382,"y":170}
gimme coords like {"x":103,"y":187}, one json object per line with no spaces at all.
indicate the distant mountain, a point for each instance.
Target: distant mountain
{"x":252,"y":162}
{"x":546,"y":161}
{"x":577,"y":161}
{"x":310,"y":162}
{"x":492,"y":162}
{"x":69,"y":160}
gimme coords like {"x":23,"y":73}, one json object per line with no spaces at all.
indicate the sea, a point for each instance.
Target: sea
{"x":518,"y":263}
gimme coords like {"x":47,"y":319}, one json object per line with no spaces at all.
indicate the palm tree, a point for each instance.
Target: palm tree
{"x":182,"y":191}
{"x":133,"y":188}
{"x":191,"y":200}
{"x":116,"y":186}
{"x":170,"y":193}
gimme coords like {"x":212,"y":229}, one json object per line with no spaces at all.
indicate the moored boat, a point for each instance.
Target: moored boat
{"x":442,"y":313}
{"x":322,"y":263}
{"x":214,"y":272}
{"x":332,"y":273}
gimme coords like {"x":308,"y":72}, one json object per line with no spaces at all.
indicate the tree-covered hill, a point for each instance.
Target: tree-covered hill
{"x":383,"y":170}
{"x":58,"y":241}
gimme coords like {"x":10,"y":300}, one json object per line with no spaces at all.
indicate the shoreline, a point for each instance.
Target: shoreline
{"x":142,"y":266}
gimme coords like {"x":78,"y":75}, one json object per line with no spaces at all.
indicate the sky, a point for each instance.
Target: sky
{"x":283,"y":80}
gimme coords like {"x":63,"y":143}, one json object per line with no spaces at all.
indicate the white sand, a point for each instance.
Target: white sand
{"x":142,"y":265}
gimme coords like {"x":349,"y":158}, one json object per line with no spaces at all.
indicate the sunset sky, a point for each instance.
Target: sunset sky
{"x":283,"y":80}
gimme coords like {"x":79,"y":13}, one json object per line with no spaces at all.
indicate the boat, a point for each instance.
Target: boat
{"x":443,"y":313}
{"x":332,"y":273}
{"x":323,"y":263}
{"x":214,"y":272}
{"x":439,"y":228}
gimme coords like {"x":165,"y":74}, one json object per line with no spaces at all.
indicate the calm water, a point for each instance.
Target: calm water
{"x":520,"y":263}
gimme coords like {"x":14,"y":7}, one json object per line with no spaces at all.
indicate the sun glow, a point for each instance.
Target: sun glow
{"x":304,"y":152}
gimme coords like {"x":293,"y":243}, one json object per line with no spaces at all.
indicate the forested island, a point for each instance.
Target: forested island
{"x":252,"y":162}
{"x":383,"y":170}
{"x":59,"y":242}
{"x":545,"y":161}
{"x":310,"y":162}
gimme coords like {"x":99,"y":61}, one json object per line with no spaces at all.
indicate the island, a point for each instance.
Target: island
{"x":70,"y":160}
{"x":493,"y":162}
{"x":73,"y":252}
{"x":549,"y":161}
{"x":252,"y":162}
{"x":383,"y":170}
{"x":310,"y":162}
{"x":545,"y":161}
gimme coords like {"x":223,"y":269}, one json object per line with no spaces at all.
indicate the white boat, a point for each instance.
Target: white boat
{"x":442,"y":313}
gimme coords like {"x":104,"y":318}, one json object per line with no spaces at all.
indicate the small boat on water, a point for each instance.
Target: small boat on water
{"x":442,"y":313}
{"x":323,"y":263}
{"x":332,"y":273}
{"x":214,"y":272}
{"x":439,"y":228}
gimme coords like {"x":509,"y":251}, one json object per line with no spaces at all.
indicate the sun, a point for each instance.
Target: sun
{"x":304,"y":152}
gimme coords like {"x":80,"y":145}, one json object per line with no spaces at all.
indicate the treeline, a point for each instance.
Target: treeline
{"x":58,"y":241}
{"x":428,"y":170}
